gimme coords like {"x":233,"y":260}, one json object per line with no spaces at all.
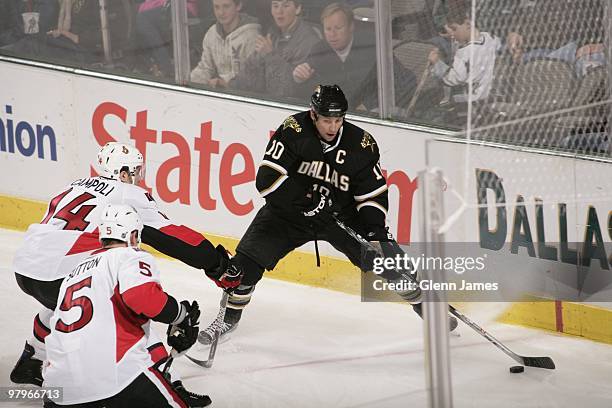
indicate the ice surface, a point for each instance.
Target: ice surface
{"x":299,"y":346}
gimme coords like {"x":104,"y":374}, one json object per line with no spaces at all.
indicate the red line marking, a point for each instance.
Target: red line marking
{"x":559,"y":315}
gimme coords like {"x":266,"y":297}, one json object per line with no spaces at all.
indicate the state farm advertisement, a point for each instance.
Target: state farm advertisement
{"x":202,"y":152}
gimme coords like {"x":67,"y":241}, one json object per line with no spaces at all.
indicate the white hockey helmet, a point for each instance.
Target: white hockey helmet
{"x":118,"y":221}
{"x":115,"y":156}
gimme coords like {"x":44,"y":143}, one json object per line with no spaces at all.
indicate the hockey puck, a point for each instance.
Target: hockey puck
{"x":517,"y":369}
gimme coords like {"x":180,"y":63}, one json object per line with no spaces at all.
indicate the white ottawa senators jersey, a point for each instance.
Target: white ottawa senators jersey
{"x":99,"y":330}
{"x":68,"y":231}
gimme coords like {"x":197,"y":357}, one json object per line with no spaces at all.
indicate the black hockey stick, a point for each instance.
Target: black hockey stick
{"x":539,"y":362}
{"x":213,"y":346}
{"x":169,"y":362}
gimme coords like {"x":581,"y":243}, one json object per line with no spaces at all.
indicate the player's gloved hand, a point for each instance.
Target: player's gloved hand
{"x":183,"y":332}
{"x":228,"y":274}
{"x":377,"y":233}
{"x":381,"y":239}
{"x":317,"y":209}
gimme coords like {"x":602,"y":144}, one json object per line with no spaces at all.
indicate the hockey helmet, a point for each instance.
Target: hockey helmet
{"x":118,"y":221}
{"x":329,"y":100}
{"x":115,"y":156}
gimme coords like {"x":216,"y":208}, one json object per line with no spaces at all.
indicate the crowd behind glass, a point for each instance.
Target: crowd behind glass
{"x":528,"y":72}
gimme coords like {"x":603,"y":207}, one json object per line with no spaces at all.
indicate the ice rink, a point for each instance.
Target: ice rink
{"x":299,"y":346}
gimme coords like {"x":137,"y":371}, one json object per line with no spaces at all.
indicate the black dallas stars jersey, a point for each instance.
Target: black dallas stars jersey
{"x":347,"y":170}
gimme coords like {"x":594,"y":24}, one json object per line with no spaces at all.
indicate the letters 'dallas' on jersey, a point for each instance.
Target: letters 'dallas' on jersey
{"x":347,"y":169}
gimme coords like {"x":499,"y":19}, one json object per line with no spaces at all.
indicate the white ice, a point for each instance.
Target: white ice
{"x":299,"y":346}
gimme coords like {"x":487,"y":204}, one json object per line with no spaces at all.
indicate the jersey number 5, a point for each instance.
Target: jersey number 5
{"x":69,"y":302}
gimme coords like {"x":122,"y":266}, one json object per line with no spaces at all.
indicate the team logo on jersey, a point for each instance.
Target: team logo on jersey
{"x":290,"y":122}
{"x":368,"y":141}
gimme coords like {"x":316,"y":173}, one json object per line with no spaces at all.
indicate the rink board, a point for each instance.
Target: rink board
{"x":506,"y":184}
{"x":202,"y":154}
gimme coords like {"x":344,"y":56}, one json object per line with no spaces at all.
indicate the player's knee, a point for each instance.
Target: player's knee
{"x":252,"y":270}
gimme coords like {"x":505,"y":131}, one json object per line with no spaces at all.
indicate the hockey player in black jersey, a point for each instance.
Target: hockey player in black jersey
{"x":316,"y":166}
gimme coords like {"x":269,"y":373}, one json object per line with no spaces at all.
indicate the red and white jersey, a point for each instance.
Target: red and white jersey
{"x":100,"y":328}
{"x":68,"y":231}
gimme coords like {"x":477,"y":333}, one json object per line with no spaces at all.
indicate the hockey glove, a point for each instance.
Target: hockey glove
{"x":317,"y":209}
{"x":402,"y":271}
{"x":378,"y":234}
{"x":228,"y":274}
{"x":183,"y":332}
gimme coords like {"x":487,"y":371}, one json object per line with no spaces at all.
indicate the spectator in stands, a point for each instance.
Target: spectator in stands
{"x":76,"y":38}
{"x":287,"y":44}
{"x":226,"y":45}
{"x":441,"y":39}
{"x":588,"y":57}
{"x":537,"y":27}
{"x":474,"y":60}
{"x":345,"y":57}
{"x":153,"y":39}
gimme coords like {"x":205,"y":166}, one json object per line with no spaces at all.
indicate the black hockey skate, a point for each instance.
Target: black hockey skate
{"x":452,"y":320}
{"x":28,"y":369}
{"x":224,"y":326}
{"x":191,"y":398}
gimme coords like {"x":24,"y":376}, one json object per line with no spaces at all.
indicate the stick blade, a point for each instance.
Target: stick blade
{"x":201,"y":363}
{"x":539,"y":362}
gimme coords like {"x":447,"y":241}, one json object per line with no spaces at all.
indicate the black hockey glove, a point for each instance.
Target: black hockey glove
{"x":378,"y":233}
{"x":183,"y":332}
{"x":317,"y":209}
{"x":228,"y":274}
{"x":382,"y":240}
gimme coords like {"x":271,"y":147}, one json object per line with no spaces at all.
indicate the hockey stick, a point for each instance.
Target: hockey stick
{"x":539,"y":362}
{"x":213,"y":346}
{"x":171,"y":356}
{"x":419,"y":88}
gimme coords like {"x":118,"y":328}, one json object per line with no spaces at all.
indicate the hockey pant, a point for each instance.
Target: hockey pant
{"x":149,"y":389}
{"x":271,"y":237}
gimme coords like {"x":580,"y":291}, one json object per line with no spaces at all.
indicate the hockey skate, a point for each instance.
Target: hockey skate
{"x":452,"y":320}
{"x":225,"y":323}
{"x":28,"y":369}
{"x":191,"y":398}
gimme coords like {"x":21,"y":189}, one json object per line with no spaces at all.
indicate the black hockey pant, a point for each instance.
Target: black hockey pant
{"x":46,"y":292}
{"x":270,"y":238}
{"x":148,"y":390}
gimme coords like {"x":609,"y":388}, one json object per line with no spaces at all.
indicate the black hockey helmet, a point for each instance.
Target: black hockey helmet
{"x":329,"y":100}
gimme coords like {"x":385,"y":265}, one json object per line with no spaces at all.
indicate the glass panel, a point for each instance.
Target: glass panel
{"x":533,"y":72}
{"x":548,"y":87}
{"x":541,"y":78}
{"x":67,"y":32}
{"x":289,"y":52}
{"x":418,"y":28}
{"x":152,"y":55}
